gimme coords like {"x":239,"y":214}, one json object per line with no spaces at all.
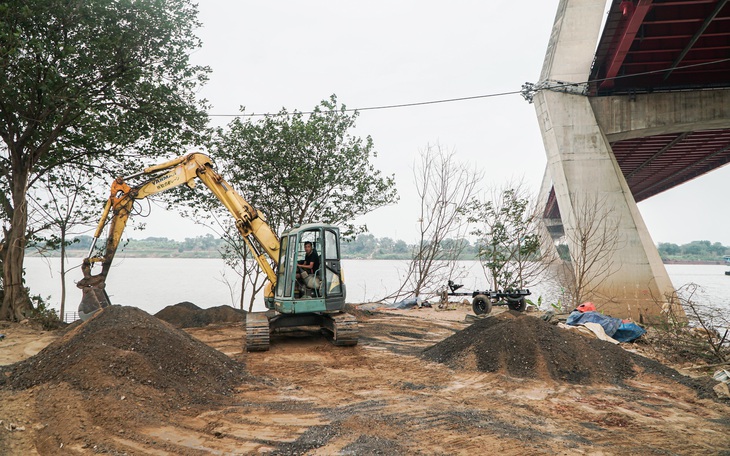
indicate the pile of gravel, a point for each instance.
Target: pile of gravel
{"x":188,"y":315}
{"x":125,"y":346}
{"x":522,"y":346}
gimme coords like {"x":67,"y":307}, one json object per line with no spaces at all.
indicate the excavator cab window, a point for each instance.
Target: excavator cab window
{"x":310,"y":281}
{"x":294,"y":282}
{"x":284,"y":277}
{"x":332,"y":270}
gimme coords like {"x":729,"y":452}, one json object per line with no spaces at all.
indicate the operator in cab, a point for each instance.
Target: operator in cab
{"x":308,"y":266}
{"x":310,"y":263}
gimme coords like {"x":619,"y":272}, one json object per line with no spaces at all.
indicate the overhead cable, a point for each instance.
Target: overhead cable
{"x":528,"y":91}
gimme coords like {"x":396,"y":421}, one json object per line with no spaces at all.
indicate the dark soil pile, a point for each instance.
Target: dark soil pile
{"x":188,"y":315}
{"x":123,"y":348}
{"x":527,"y":347}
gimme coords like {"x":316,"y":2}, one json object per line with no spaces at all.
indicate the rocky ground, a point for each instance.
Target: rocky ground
{"x":419,"y":382}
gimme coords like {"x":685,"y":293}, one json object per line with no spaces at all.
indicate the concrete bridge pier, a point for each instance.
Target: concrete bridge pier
{"x":630,"y":280}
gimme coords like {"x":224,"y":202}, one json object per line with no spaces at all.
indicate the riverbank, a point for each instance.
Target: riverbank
{"x":711,"y":262}
{"x":307,"y":396}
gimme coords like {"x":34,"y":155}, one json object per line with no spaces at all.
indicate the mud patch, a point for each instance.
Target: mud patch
{"x":313,"y":438}
{"x":408,"y":334}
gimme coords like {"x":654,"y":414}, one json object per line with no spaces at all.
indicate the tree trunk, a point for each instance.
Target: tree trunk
{"x":243,"y":290}
{"x":255,"y":288}
{"x":63,"y":274}
{"x":16,"y":304}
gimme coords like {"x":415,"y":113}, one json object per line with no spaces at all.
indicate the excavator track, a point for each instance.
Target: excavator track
{"x":257,"y":331}
{"x":342,"y":329}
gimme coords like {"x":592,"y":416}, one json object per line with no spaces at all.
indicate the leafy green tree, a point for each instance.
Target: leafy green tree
{"x":718,"y":249}
{"x":364,"y":245}
{"x":301,"y":168}
{"x":83,"y":80}
{"x":508,"y":242}
{"x":696,"y":248}
{"x":667,"y":249}
{"x":400,"y":246}
{"x":385,"y":245}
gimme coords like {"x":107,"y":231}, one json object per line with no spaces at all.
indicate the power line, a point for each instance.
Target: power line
{"x":372,"y":108}
{"x":624,"y":76}
{"x":527,"y":86}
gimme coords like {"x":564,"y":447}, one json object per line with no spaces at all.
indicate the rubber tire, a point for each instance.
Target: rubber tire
{"x":517,"y":303}
{"x":481,"y":305}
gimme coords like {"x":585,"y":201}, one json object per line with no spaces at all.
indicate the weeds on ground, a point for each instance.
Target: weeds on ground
{"x":44,"y":316}
{"x":702,"y":334}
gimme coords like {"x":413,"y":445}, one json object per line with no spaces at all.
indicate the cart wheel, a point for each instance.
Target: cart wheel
{"x":481,"y":305}
{"x":516,"y":303}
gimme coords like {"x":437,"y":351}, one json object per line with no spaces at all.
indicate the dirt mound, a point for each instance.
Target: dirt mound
{"x":123,"y":348}
{"x":188,"y":315}
{"x":187,"y":305}
{"x":527,"y":347}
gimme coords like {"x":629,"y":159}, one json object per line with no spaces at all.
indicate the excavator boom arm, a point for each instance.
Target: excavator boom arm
{"x":251,"y":224}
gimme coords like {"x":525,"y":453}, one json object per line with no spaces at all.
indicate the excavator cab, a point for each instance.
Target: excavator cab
{"x":301,"y":291}
{"x":301,"y":299}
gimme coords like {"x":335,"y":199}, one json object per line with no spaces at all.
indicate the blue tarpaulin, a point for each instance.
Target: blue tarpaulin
{"x":613,"y":327}
{"x":409,"y":303}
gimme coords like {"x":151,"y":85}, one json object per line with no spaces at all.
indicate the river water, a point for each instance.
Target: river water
{"x":153,"y":283}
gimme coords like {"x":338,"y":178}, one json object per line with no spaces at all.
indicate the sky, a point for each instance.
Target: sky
{"x":266,"y":55}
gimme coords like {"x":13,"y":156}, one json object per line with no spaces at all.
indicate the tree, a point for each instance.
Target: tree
{"x":385,"y":245}
{"x":506,"y":227}
{"x":400,"y":246}
{"x":86,"y":80}
{"x":667,"y":249}
{"x":445,"y":187}
{"x":61,"y":204}
{"x":362,"y":246}
{"x":299,"y":169}
{"x":592,"y":244}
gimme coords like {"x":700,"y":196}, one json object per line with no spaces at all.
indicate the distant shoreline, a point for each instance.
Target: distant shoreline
{"x":192,"y":255}
{"x":711,"y":262}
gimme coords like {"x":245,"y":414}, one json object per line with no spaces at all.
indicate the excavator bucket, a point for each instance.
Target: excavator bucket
{"x":93,"y":289}
{"x":94,"y":298}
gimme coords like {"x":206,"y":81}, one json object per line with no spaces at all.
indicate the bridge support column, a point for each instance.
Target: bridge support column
{"x":631,"y":281}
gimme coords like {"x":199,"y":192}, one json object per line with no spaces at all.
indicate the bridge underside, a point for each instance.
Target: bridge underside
{"x":654,"y":164}
{"x":655,"y":113}
{"x":665,"y":49}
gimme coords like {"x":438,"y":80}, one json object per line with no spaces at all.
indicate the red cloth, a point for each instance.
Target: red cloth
{"x":587,"y":307}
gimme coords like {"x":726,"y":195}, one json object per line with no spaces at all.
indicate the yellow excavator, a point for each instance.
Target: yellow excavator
{"x":294,"y":296}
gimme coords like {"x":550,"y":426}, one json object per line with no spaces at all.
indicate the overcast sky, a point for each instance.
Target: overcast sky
{"x":266,"y":55}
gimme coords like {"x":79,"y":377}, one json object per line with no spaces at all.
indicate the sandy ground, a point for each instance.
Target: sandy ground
{"x":307,"y":396}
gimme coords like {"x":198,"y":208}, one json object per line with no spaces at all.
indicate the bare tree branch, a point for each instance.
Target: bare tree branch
{"x":445,"y":187}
